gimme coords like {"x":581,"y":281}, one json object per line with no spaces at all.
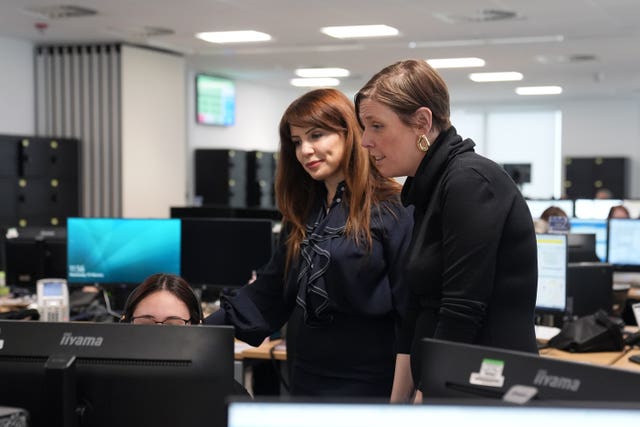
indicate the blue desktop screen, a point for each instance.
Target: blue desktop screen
{"x":624,"y":242}
{"x":121,"y":250}
{"x":593,"y":226}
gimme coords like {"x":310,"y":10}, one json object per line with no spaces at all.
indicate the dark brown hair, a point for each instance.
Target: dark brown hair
{"x":406,"y":86}
{"x":552,"y":211}
{"x":168,"y":282}
{"x":297,"y":192}
{"x":615,"y":208}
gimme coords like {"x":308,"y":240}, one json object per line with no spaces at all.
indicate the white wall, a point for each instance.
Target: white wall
{"x":17,"y":106}
{"x":154,"y":137}
{"x":608,"y":127}
{"x":518,"y":135}
{"x":604,"y":127}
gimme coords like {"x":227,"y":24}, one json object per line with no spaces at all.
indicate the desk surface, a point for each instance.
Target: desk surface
{"x":598,"y":358}
{"x":624,"y":363}
{"x":614,"y":359}
{"x":263,"y":351}
{"x":619,"y":359}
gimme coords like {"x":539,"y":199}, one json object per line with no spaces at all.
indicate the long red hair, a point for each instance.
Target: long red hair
{"x":297,"y":192}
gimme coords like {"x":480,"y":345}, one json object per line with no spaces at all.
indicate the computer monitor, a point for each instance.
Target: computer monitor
{"x":487,"y":413}
{"x":589,"y":288}
{"x":594,"y":208}
{"x":582,"y":247}
{"x":456,"y":370}
{"x":633,"y":206}
{"x":552,"y":273}
{"x":108,"y":374}
{"x":212,"y":211}
{"x":520,"y":173}
{"x":224,"y":252}
{"x":121,"y":250}
{"x":624,"y":244}
{"x":33,"y":253}
{"x":593,"y":226}
{"x":537,"y":206}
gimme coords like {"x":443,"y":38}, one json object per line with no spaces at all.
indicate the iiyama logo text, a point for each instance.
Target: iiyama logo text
{"x":552,"y":381}
{"x":68,"y":339}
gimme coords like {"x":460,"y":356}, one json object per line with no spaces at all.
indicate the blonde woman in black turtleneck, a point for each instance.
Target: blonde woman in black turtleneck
{"x":472,"y":264}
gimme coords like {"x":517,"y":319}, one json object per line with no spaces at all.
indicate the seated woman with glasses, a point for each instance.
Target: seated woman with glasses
{"x":163,"y":299}
{"x":166,"y":299}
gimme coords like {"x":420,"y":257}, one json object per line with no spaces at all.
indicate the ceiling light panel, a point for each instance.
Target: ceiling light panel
{"x":360,"y":31}
{"x":508,"y":76}
{"x":315,"y":82}
{"x":322,"y":72}
{"x":233,"y":36}
{"x":456,"y":62}
{"x":539,"y":90}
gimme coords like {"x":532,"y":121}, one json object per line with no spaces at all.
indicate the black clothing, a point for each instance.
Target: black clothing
{"x":342,"y":303}
{"x":472,"y":263}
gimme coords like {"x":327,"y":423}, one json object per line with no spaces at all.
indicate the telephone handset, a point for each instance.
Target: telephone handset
{"x":53,"y":300}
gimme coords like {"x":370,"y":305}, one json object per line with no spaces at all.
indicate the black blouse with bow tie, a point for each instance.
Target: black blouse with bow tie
{"x":343,"y":303}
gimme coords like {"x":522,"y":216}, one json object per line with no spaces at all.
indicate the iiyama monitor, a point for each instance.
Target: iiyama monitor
{"x":111,"y":374}
{"x":456,"y":370}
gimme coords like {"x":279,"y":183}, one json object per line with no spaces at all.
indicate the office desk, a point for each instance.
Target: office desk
{"x":247,"y":356}
{"x":624,"y":363}
{"x":606,"y":358}
{"x":263,"y":351}
{"x":614,"y":359}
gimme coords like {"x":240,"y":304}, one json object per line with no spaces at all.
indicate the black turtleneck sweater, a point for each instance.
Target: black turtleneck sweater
{"x":472,"y":262}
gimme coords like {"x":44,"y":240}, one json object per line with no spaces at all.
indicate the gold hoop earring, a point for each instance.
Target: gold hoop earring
{"x":423,"y":143}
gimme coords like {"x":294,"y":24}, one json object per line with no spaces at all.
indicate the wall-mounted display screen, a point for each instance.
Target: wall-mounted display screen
{"x":119,"y":250}
{"x":215,"y":100}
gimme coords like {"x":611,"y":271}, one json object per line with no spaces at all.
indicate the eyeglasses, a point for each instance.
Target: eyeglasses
{"x":150,"y":320}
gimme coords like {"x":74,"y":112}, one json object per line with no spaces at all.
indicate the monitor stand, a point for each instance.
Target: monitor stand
{"x":61,"y":391}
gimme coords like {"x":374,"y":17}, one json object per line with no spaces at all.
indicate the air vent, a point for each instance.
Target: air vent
{"x":484,"y":15}
{"x":144,"y":32}
{"x":566,"y":59}
{"x":582,"y":58}
{"x":60,"y":11}
{"x":156,"y":31}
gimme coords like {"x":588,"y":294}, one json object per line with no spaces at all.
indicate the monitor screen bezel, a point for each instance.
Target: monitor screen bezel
{"x":448,"y":368}
{"x":120,"y":371}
